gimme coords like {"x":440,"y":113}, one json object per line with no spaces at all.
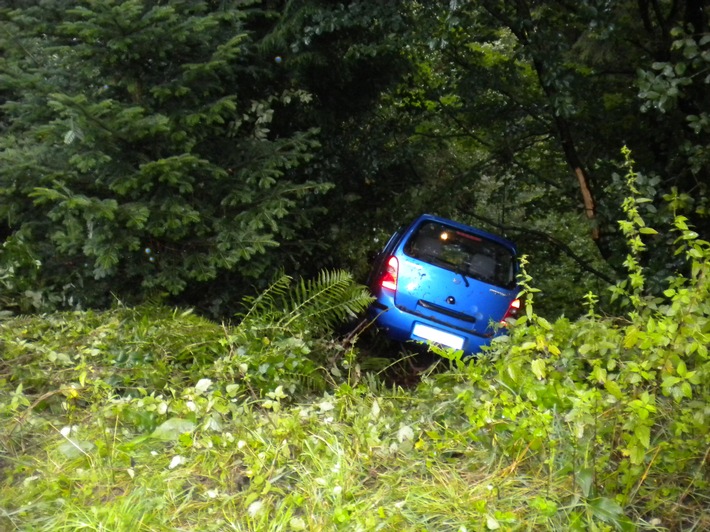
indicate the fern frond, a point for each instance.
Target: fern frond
{"x":314,"y":305}
{"x":320,"y":304}
{"x":263,"y":306}
{"x":313,"y":381}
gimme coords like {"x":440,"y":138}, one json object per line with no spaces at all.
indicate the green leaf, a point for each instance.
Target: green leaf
{"x":585,"y":480}
{"x":613,"y":388}
{"x":687,"y":390}
{"x":172,"y":429}
{"x":643,"y":433}
{"x":608,"y":510}
{"x":492,"y":523}
{"x":669,"y":382}
{"x":631,"y":337}
{"x":636,"y":453}
{"x":75,"y":448}
{"x":297,"y":524}
{"x":599,"y":374}
{"x":539,"y":368}
{"x":542,"y":322}
{"x":546,"y":507}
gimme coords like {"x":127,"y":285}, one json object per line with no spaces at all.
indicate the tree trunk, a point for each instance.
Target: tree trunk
{"x":574,"y":161}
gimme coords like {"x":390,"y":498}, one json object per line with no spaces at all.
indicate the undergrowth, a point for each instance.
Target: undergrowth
{"x":151,"y":418}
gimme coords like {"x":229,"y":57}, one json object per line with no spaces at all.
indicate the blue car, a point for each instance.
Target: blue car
{"x":444,"y":282}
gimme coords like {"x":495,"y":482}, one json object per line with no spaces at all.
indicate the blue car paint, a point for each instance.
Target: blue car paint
{"x":441,"y":298}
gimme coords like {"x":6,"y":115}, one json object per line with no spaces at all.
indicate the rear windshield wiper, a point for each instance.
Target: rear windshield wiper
{"x":435,"y":259}
{"x":456,"y":269}
{"x":463,"y":275}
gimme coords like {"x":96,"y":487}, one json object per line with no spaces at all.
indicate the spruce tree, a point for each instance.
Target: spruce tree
{"x":138,"y":154}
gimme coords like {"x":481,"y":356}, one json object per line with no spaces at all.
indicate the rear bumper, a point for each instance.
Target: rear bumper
{"x":399,"y":325}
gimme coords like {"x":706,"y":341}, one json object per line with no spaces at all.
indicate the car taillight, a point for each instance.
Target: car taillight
{"x":512,"y":312}
{"x":389,"y":279}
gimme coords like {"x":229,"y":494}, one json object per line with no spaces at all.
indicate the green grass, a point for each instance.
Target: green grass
{"x":305,"y":467}
{"x":108,"y":422}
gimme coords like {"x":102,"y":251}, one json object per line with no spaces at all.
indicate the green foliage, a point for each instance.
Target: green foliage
{"x":157,"y":419}
{"x":499,"y":108}
{"x":282,"y":341}
{"x":204,"y":132}
{"x":152,"y":148}
{"x":616,"y":406}
{"x":140,"y":153}
{"x":677,"y":88}
{"x":281,"y":345}
{"x":112,"y":396}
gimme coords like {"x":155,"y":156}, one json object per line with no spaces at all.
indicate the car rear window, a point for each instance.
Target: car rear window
{"x":462,"y":252}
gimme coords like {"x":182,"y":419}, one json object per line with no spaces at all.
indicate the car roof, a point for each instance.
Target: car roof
{"x":463,"y":227}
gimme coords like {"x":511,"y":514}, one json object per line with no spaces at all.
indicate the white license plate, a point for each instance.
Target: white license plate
{"x":435,"y":335}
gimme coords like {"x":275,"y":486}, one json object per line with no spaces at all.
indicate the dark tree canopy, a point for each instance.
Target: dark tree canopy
{"x":138,"y":149}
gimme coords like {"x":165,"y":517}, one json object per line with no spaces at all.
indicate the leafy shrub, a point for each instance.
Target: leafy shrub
{"x":616,"y":406}
{"x":282,"y":341}
{"x":156,"y":418}
{"x":61,"y":360}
